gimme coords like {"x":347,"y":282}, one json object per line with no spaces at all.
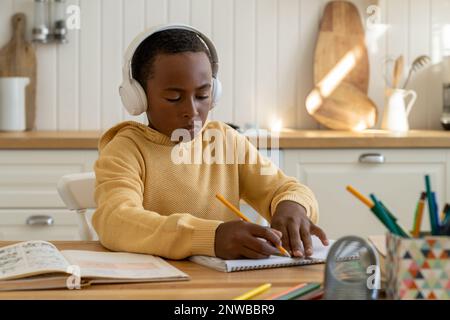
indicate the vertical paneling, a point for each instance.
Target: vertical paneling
{"x":266,"y":50}
{"x":67,"y":79}
{"x":179,"y":11}
{"x":90,"y":65}
{"x":398,"y":33}
{"x":156,"y":12}
{"x":6,"y":11}
{"x":201,"y":16}
{"x":266,"y":61}
{"x":222,"y":35}
{"x":111,"y":112}
{"x":288,"y":76}
{"x":419,"y":44}
{"x":310,"y":13}
{"x":133,"y":24}
{"x":244,"y":63}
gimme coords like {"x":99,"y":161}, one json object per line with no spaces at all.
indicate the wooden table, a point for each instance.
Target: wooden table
{"x":205,"y":283}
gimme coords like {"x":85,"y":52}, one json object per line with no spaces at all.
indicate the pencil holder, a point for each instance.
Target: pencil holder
{"x":418,"y":269}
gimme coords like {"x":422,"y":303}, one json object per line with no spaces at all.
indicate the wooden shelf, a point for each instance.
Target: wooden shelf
{"x":289,"y":139}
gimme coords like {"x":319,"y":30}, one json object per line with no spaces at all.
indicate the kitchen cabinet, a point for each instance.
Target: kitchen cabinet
{"x":30,"y":207}
{"x":395,"y":176}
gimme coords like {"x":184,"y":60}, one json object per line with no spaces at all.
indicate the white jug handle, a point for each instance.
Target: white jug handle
{"x":411,"y":103}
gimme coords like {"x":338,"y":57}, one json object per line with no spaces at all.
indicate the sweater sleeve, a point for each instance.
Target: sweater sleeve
{"x":122,"y":223}
{"x":263,"y":185}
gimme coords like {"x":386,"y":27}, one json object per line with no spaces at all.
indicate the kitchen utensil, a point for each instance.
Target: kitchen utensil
{"x":18,"y":59}
{"x":398,"y":72}
{"x":417,"y":64}
{"x":341,"y":53}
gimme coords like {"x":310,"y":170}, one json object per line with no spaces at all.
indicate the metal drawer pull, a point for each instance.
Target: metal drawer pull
{"x":372,"y":158}
{"x":40,"y":221}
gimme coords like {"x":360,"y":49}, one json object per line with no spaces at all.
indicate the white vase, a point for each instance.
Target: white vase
{"x":12,"y":103}
{"x":396,"y":112}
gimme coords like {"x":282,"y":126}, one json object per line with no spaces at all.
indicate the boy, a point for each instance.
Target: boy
{"x":149,"y":203}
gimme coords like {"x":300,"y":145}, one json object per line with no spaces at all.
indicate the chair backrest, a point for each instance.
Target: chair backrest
{"x":77,"y":190}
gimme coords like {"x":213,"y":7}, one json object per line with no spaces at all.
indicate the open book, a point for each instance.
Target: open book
{"x":319,"y":256}
{"x":40,"y":265}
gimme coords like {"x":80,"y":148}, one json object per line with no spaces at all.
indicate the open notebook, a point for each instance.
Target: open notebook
{"x":40,"y":265}
{"x":319,"y":256}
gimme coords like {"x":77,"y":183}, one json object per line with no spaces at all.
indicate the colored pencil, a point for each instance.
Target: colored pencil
{"x":419,"y":215}
{"x":254,"y":292}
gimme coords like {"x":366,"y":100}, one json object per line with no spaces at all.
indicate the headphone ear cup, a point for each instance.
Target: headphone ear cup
{"x":216,"y":92}
{"x":133,"y":97}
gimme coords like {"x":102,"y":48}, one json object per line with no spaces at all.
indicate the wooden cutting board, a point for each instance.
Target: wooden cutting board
{"x":341,"y":31}
{"x":347,"y":108}
{"x":18,"y":59}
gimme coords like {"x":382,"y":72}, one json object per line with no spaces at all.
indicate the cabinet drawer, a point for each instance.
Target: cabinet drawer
{"x":21,"y":225}
{"x":395,"y":176}
{"x":28,"y":179}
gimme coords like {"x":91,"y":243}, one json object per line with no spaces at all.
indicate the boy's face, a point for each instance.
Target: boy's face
{"x":179,"y":92}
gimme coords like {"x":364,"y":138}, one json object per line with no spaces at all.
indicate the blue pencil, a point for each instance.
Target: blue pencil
{"x":433,"y":222}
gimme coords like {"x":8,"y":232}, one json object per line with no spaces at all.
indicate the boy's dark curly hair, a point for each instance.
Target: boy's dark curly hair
{"x":170,"y":41}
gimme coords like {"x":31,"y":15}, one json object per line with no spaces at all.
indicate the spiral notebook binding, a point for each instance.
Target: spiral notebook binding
{"x":278,"y":265}
{"x":281,"y":265}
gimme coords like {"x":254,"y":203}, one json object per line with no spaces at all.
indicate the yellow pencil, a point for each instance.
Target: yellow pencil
{"x":254,"y":292}
{"x":245,"y":218}
{"x":363,"y":199}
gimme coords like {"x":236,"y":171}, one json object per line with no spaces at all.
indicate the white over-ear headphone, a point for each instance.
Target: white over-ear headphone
{"x":131,"y":92}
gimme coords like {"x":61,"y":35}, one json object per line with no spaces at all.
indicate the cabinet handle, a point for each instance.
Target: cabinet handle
{"x":40,"y":221}
{"x":375,"y":158}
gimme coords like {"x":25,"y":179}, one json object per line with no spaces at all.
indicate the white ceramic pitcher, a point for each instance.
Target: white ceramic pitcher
{"x":396,"y":112}
{"x":12,"y":103}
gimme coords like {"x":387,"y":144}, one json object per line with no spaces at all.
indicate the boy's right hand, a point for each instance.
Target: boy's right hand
{"x":240,"y":240}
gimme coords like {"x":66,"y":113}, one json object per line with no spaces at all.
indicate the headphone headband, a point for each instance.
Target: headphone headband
{"x":133,"y":95}
{"x":129,"y":54}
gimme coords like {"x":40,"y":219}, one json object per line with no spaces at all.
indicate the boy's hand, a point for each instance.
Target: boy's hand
{"x":239,"y":239}
{"x":290,"y":218}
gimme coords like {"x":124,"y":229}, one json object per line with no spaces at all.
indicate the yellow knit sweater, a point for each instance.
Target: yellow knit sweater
{"x":146,"y":203}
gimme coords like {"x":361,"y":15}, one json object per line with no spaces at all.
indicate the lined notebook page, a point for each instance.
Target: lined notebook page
{"x":319,"y":256}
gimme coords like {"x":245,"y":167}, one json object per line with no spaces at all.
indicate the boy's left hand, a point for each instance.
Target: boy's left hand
{"x":291,"y":219}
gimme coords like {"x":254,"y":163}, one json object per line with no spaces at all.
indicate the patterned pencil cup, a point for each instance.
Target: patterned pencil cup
{"x":418,"y":269}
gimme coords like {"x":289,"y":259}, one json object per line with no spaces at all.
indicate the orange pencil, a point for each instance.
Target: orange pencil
{"x":275,"y":296}
{"x":245,"y":218}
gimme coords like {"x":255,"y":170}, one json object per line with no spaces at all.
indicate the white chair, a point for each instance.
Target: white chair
{"x":77,"y":192}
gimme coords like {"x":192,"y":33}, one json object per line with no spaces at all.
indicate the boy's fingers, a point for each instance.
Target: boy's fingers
{"x":265,"y":233}
{"x":315,"y":230}
{"x":294,"y":239}
{"x":260,"y":246}
{"x":278,"y":233}
{"x":306,"y":239}
{"x":252,"y":254}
